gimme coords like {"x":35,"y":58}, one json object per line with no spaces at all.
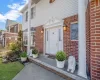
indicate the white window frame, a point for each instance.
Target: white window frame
{"x":32,"y":43}
{"x":70,"y":29}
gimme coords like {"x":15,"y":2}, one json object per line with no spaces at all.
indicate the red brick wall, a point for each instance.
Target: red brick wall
{"x":70,"y":47}
{"x":95,"y":39}
{"x":39,"y":37}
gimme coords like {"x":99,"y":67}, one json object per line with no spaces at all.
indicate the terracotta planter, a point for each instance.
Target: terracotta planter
{"x":23,"y":59}
{"x":35,"y":55}
{"x":60,"y":64}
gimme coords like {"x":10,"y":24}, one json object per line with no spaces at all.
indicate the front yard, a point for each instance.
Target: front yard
{"x":9,"y":70}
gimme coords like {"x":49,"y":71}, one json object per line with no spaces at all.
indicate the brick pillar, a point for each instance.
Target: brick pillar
{"x":95,"y":39}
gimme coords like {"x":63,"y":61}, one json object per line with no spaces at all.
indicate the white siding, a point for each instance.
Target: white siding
{"x":59,"y":9}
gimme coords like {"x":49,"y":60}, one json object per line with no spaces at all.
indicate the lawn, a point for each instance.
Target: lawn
{"x":10,"y":70}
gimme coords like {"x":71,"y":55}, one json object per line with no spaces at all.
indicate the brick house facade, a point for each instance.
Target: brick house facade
{"x":11,"y":34}
{"x":92,"y":38}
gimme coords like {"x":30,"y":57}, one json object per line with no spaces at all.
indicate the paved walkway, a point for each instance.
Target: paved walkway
{"x":35,"y":72}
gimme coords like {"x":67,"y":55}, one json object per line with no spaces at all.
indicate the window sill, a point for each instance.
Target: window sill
{"x":74,"y":40}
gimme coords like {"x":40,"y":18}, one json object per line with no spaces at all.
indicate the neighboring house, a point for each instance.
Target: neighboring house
{"x":1,"y":38}
{"x":72,"y":26}
{"x":11,"y":34}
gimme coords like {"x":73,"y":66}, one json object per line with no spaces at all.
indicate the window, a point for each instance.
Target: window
{"x":59,"y":34}
{"x":74,"y":31}
{"x":33,"y":12}
{"x":32,"y":38}
{"x":26,"y":16}
{"x":25,"y":38}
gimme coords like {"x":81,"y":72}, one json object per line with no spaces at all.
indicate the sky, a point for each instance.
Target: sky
{"x":9,"y":9}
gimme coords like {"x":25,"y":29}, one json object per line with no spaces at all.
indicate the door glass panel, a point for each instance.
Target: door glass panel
{"x":47,"y":35}
{"x":59,"y":34}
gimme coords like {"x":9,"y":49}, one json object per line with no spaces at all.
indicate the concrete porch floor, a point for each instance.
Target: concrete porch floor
{"x":35,"y":72}
{"x":50,"y":64}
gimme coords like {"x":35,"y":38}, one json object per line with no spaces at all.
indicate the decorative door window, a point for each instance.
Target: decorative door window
{"x":47,"y":35}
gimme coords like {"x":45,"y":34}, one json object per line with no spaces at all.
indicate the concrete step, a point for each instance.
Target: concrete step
{"x":60,"y":72}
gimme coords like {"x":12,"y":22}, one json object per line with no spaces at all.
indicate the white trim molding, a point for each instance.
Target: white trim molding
{"x":53,"y":22}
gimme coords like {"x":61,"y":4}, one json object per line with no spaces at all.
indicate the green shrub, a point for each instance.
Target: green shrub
{"x":34,"y":51}
{"x":14,"y":46}
{"x":60,"y":56}
{"x":24,"y":54}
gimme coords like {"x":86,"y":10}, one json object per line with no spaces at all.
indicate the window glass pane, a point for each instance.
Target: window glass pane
{"x":31,"y":12}
{"x":26,"y":16}
{"x":25,"y":38}
{"x":31,"y":39}
{"x":74,"y":31}
{"x":59,"y":34}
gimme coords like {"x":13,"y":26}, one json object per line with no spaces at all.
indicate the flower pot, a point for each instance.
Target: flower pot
{"x":35,"y":55}
{"x":23,"y":59}
{"x":60,"y":64}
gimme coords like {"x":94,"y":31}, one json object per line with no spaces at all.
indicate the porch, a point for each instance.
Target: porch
{"x":50,"y":64}
{"x":52,"y":35}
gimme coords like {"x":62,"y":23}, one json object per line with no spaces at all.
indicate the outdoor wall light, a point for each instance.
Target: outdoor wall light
{"x":65,"y":27}
{"x":42,"y":31}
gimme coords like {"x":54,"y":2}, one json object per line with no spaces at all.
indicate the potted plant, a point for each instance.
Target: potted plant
{"x":60,"y":59}
{"x":35,"y":53}
{"x":23,"y":56}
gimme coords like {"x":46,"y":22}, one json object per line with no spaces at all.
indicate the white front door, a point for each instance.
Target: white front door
{"x":54,"y":40}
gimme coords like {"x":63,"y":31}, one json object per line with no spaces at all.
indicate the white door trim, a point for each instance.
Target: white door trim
{"x":53,"y":22}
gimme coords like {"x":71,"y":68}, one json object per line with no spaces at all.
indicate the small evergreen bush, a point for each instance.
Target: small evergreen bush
{"x":60,"y":56}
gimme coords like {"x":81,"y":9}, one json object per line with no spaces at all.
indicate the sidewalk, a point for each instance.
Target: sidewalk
{"x":35,"y":72}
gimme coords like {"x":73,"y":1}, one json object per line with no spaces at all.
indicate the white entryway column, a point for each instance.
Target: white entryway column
{"x":29,"y":27}
{"x":82,"y":38}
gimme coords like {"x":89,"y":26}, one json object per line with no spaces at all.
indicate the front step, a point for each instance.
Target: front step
{"x":57,"y":71}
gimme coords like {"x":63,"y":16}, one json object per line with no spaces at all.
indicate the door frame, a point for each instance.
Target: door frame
{"x":52,"y":23}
